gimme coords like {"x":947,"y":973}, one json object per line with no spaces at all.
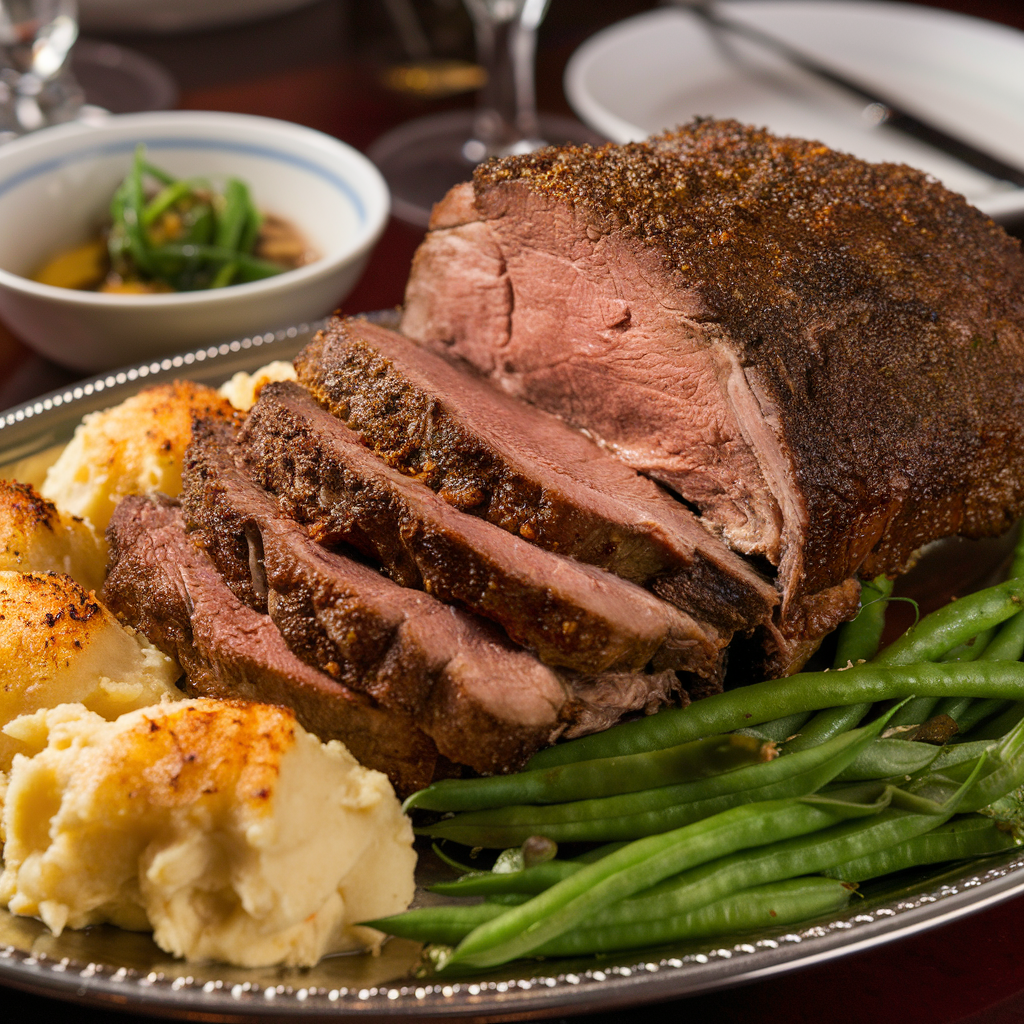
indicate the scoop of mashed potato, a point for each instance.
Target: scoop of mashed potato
{"x":58,"y":645}
{"x":136,"y":447}
{"x":224,"y":825}
{"x":243,"y":388}
{"x":35,"y":536}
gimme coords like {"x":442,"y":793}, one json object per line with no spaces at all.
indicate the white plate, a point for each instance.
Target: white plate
{"x":966,"y":75}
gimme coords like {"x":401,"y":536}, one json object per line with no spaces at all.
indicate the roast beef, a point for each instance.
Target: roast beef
{"x":484,"y":703}
{"x":572,"y":615}
{"x":162,"y":585}
{"x":526,"y":471}
{"x":822,"y":355}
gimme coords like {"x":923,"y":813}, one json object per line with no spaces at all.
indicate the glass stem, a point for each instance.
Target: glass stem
{"x":506,"y":37}
{"x":496,"y":26}
{"x":525,"y":61}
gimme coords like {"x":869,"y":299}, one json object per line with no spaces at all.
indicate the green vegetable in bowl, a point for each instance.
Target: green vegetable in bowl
{"x":178,"y":235}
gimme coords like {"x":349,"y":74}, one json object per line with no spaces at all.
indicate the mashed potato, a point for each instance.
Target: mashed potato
{"x":58,"y":644}
{"x":36,"y":537}
{"x":243,"y":389}
{"x":225,"y":826}
{"x":136,"y":447}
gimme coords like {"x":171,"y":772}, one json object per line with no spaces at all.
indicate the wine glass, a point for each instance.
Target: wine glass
{"x":36,"y":85}
{"x":424,"y":158}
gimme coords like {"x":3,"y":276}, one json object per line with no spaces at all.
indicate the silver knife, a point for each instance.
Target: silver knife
{"x":883,"y":110}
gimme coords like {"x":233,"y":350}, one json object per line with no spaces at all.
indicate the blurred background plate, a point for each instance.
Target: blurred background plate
{"x":121,"y":81}
{"x":661,"y":68}
{"x":175,"y":15}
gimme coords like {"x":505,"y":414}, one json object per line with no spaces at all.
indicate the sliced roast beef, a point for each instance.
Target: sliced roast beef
{"x":572,"y":615}
{"x":484,"y":702}
{"x":165,"y":587}
{"x":524,"y":470}
{"x":822,"y":354}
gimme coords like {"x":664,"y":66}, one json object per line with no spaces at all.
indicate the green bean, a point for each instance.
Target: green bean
{"x":529,"y":880}
{"x":117,"y":240}
{"x":634,"y":815}
{"x":164,"y":200}
{"x":253,"y":223}
{"x":777,"y":731}
{"x":1008,"y":643}
{"x":603,"y":777}
{"x":914,"y":712}
{"x":437,"y":924}
{"x":944,"y":630}
{"x":762,"y":906}
{"x":954,"y":707}
{"x":224,"y":275}
{"x":884,"y":759}
{"x":955,"y":623}
{"x":213,"y":251}
{"x":155,"y":172}
{"x":231,"y":223}
{"x":980,"y":710}
{"x":640,"y":864}
{"x":972,"y":649}
{"x":859,"y":639}
{"x":763,"y":702}
{"x":962,"y":838}
{"x":230,"y":226}
{"x":1001,"y":724}
{"x":959,"y":753}
{"x":826,"y":724}
{"x":596,"y":854}
{"x":790,"y":858}
{"x":1017,"y":565}
{"x":131,"y":215}
{"x":1004,"y":771}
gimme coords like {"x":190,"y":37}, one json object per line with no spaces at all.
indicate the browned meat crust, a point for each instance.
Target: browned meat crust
{"x":572,"y":615}
{"x":525,"y":471}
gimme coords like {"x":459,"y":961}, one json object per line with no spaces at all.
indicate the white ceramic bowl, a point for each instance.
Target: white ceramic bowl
{"x":55,"y":188}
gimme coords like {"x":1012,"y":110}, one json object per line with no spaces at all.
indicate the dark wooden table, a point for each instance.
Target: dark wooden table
{"x":320,"y":66}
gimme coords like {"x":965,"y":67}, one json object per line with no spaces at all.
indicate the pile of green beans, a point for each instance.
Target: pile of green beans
{"x":709,"y":832}
{"x":214,"y":239}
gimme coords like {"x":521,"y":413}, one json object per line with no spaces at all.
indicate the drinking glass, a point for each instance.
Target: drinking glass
{"x":36,"y":85}
{"x":424,"y":158}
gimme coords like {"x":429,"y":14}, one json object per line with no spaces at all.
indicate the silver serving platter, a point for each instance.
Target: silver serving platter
{"x":125,"y":970}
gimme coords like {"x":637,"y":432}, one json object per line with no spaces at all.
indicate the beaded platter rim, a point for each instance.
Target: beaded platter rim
{"x":546,"y":988}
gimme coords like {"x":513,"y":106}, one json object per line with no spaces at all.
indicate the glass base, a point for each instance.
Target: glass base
{"x":422,"y":159}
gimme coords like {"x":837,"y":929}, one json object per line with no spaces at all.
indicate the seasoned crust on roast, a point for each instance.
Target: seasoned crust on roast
{"x":875,"y":313}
